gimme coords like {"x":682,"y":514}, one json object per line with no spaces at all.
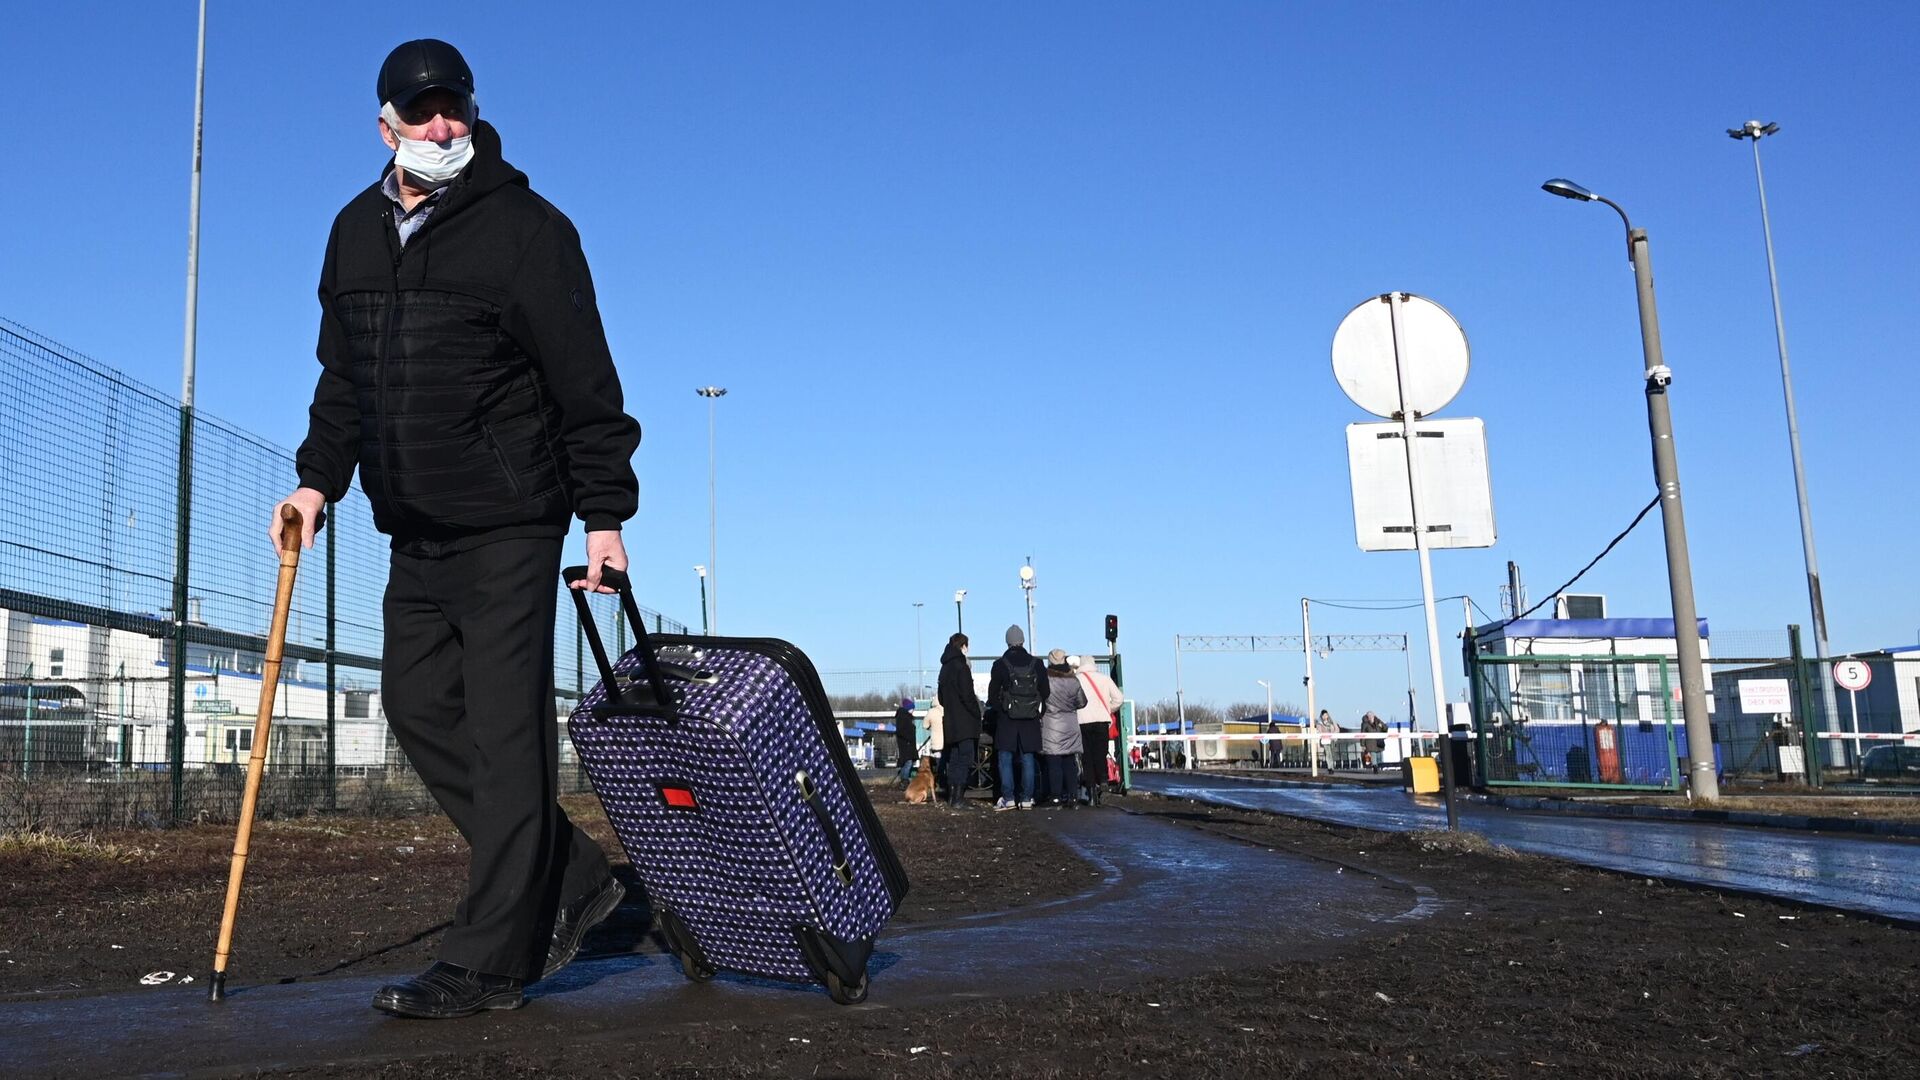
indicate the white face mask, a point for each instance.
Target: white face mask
{"x":429,"y":163}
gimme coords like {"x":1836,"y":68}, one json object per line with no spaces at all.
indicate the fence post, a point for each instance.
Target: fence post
{"x":1666,"y":721}
{"x":1472,"y":650}
{"x":1803,"y":691}
{"x":333,"y":792}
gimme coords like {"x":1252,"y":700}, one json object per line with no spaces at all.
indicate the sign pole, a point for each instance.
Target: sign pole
{"x":1854,"y":676}
{"x":1407,"y":435}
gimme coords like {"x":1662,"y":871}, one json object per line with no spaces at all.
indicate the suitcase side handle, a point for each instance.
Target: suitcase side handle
{"x":618,"y":581}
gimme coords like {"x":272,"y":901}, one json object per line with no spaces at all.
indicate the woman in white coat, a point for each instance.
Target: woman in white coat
{"x":1096,"y":725}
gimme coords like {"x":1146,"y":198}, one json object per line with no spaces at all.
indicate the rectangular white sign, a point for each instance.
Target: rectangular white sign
{"x":1456,"y":494}
{"x":1766,"y":696}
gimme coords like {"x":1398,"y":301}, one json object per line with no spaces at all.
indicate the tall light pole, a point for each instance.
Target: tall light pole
{"x":919,"y":650}
{"x":184,"y":475}
{"x":1026,"y":585}
{"x":701,"y":571}
{"x":713,"y":394}
{"x":959,"y":616}
{"x":1704,"y":783}
{"x":1755,"y":131}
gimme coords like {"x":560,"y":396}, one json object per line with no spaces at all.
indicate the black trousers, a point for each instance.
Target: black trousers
{"x":1093,"y":757}
{"x":468,"y":690}
{"x":959,"y":768}
{"x":1059,"y":770}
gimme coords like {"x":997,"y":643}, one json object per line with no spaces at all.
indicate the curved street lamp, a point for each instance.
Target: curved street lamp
{"x":1666,"y":470}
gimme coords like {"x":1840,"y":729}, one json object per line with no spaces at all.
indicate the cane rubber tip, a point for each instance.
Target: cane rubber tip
{"x":217,"y":987}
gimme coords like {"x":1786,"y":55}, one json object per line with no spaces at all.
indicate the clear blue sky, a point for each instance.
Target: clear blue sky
{"x":990,"y":280}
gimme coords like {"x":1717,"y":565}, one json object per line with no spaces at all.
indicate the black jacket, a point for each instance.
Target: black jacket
{"x":1016,"y":655}
{"x":904,"y":735}
{"x":958,"y":698}
{"x":467,"y":374}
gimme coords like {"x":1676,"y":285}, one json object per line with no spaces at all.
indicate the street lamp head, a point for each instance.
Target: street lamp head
{"x":1752,"y":129}
{"x":1567,"y":189}
{"x":1026,"y":575}
{"x":711,"y":391}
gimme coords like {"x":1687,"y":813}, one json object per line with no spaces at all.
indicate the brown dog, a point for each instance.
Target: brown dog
{"x":920,"y":788}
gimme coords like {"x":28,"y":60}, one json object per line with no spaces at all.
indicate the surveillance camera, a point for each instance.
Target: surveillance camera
{"x":1659,"y":376}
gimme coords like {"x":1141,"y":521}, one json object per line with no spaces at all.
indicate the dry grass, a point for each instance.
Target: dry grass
{"x":21,"y":844}
{"x":1838,"y":806}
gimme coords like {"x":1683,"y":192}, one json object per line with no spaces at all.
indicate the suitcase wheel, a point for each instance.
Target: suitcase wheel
{"x":684,"y":948}
{"x":843,"y":994}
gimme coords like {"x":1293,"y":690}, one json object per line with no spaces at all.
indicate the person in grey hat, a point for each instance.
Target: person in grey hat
{"x":1017,"y":692}
{"x":465,"y":374}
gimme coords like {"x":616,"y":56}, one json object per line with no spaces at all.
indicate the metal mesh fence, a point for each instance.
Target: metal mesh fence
{"x":1776,"y":715}
{"x":89,"y":526}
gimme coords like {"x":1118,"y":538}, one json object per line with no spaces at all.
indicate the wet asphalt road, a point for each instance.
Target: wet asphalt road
{"x":1875,"y":876}
{"x":1261,"y":906}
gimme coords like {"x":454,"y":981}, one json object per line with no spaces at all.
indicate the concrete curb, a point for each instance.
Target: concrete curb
{"x":1862,"y":826}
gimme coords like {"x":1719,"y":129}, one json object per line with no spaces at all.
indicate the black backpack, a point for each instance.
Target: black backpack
{"x":1023,"y":696}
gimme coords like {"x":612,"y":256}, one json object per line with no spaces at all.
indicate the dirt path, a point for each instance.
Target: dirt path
{"x":1536,"y":968}
{"x":328,"y":896}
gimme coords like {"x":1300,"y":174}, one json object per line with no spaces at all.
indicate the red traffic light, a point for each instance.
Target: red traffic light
{"x":1113,"y":629}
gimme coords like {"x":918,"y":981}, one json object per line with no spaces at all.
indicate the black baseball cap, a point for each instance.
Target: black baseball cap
{"x":415,"y":67}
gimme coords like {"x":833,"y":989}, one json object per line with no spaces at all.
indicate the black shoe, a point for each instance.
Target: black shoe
{"x":570,"y":926}
{"x":447,"y":991}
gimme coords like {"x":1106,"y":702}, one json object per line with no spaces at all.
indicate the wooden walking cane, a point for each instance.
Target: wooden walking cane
{"x":256,"y":761}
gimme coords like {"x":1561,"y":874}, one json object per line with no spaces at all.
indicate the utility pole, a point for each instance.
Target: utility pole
{"x":1703,"y":779}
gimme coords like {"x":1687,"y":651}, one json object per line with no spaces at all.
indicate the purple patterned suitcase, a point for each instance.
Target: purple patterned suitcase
{"x":737,"y":804}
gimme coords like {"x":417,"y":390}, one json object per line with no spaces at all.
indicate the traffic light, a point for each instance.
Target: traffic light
{"x":1113,"y":629}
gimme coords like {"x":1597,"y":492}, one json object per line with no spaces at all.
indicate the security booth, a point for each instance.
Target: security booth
{"x":1577,"y":703}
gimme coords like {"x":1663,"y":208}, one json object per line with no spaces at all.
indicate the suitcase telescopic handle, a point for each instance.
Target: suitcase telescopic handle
{"x":619,"y":582}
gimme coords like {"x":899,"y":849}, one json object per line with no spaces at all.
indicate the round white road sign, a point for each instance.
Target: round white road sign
{"x":1852,"y":674}
{"x":1395,"y":335}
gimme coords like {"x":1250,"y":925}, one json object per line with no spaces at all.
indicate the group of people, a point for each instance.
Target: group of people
{"x":1370,"y":752}
{"x":1051,"y":720}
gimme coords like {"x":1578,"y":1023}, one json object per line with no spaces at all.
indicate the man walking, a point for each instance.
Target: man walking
{"x":465,"y":372}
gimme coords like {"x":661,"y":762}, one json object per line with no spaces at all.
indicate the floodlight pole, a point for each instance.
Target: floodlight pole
{"x":1755,"y":130}
{"x":1407,"y":435}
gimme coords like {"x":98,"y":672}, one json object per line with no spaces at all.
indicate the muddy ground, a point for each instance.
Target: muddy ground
{"x":327,"y":896}
{"x":1535,"y":969}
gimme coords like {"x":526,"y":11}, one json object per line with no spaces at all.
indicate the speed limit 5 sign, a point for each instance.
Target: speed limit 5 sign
{"x":1852,"y":674}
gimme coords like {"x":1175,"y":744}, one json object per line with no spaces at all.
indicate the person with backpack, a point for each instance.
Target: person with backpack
{"x":1060,"y":730}
{"x":1017,"y":690}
